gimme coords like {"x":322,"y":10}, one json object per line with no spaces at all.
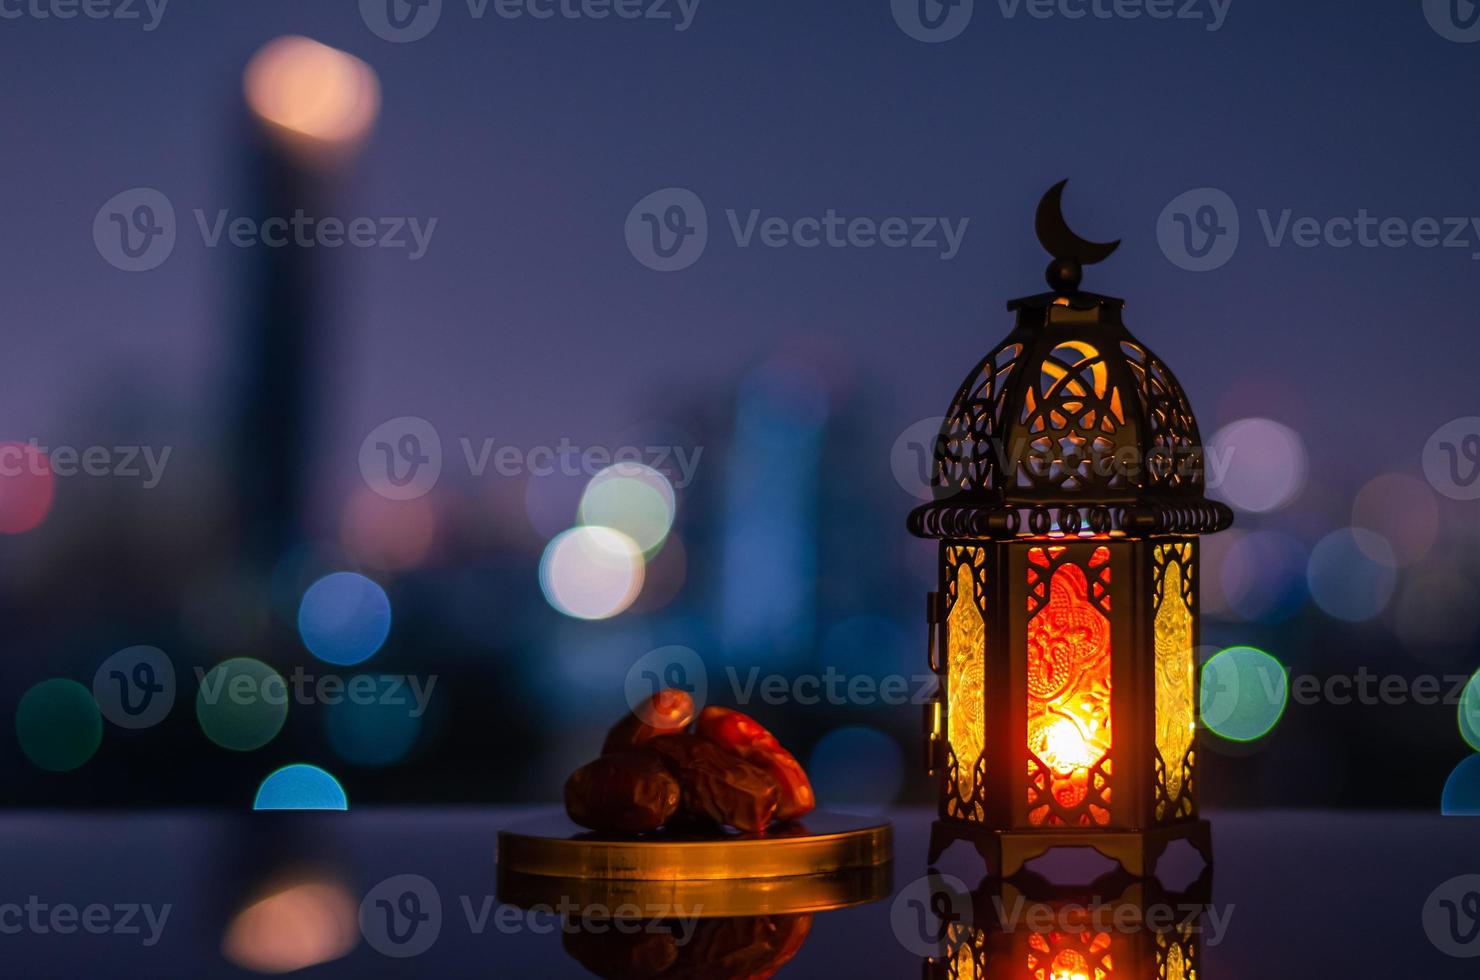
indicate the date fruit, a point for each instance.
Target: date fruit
{"x":717,"y":783}
{"x":622,"y":793}
{"x":750,"y":740}
{"x":668,"y":712}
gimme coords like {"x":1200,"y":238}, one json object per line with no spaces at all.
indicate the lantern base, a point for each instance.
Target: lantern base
{"x":1006,"y":851}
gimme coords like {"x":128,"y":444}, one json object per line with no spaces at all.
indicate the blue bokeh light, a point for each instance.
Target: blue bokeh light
{"x":1352,"y":574}
{"x":344,"y":618}
{"x":856,"y":768}
{"x":1462,"y":790}
{"x":300,"y":787}
{"x":378,"y":732}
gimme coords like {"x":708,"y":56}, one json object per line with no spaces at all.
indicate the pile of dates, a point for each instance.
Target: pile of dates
{"x":654,"y":772}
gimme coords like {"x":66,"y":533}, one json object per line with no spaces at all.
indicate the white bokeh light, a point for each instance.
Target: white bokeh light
{"x":1256,"y":465}
{"x":591,"y":572}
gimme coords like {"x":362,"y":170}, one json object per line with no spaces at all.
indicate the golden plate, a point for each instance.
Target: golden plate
{"x":700,"y":898}
{"x":819,"y":844}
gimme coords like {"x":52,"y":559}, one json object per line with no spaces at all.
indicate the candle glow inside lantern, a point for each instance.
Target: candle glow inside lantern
{"x":1068,"y":497}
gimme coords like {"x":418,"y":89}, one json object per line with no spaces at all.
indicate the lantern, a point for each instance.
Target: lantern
{"x":1068,"y":500}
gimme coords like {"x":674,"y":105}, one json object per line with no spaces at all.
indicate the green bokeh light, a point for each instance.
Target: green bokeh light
{"x":634,"y":499}
{"x":1244,"y":691}
{"x":58,"y":724}
{"x":242,"y":704}
{"x":1469,"y":713}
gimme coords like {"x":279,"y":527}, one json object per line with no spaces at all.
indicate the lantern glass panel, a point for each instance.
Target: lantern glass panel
{"x":1069,"y":688}
{"x":1175,"y":723}
{"x":966,"y":648}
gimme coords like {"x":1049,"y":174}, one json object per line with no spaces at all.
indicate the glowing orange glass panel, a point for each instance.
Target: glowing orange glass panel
{"x":1069,"y":691}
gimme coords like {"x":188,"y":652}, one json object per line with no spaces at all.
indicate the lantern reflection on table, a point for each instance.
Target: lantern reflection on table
{"x":1068,"y":499}
{"x":1133,"y":931}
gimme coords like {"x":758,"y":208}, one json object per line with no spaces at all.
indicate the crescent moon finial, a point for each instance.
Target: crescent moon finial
{"x":1060,"y":241}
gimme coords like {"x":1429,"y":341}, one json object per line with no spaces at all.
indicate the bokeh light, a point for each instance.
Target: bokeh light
{"x":1346,"y":580}
{"x":591,"y":572}
{"x":1462,"y":790}
{"x":390,"y":535}
{"x":1469,"y":713}
{"x":1436,"y":615}
{"x":856,"y":768}
{"x":242,"y":704}
{"x":27,"y":487}
{"x":632,"y":498}
{"x":300,"y":787}
{"x":664,"y":576}
{"x":58,"y":725}
{"x":374,"y":732}
{"x":1244,"y":691}
{"x":1261,"y":577}
{"x":344,"y":618}
{"x":551,"y":502}
{"x":311,"y":90}
{"x":868,"y":646}
{"x":1401,"y":510}
{"x":297,"y":926}
{"x":1256,"y":465}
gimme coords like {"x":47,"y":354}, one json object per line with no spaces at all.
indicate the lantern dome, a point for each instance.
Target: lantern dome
{"x":1069,"y":426}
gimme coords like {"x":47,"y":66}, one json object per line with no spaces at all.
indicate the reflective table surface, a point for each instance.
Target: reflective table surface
{"x":392,"y":893}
